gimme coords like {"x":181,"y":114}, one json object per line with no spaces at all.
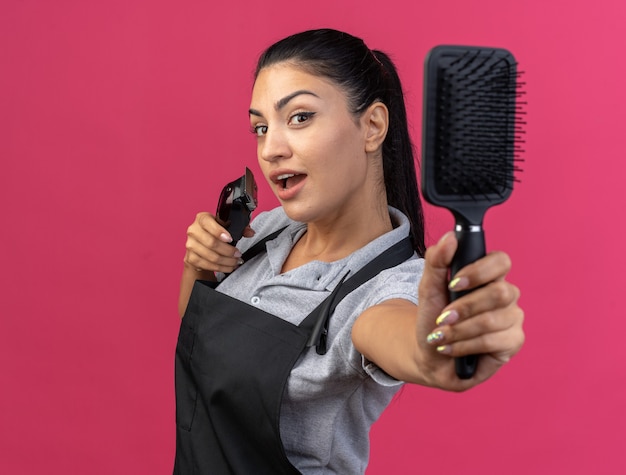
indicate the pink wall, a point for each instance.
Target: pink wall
{"x":120,"y":119}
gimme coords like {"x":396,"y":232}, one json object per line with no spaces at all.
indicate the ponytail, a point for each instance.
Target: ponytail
{"x":398,"y":156}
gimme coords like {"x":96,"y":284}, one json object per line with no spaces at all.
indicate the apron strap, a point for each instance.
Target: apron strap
{"x":259,"y":247}
{"x":319,"y":318}
{"x":256,"y":249}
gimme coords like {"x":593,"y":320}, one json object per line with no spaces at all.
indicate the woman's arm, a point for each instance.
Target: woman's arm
{"x":418,"y":344}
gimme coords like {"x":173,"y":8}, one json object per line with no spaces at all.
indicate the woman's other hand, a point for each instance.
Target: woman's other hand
{"x":486,"y":321}
{"x":208,"y":246}
{"x":207,"y":250}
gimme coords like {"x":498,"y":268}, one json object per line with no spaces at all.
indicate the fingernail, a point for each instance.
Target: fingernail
{"x":237,"y":253}
{"x":435,"y":337}
{"x":240,"y":262}
{"x":444,"y":349}
{"x":225,"y":237}
{"x":447,"y":318}
{"x":458,"y":283}
{"x":444,"y":237}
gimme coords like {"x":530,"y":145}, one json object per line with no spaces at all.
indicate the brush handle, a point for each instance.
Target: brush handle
{"x":471,"y":247}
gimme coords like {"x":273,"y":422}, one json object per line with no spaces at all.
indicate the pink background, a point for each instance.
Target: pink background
{"x":120,"y":119}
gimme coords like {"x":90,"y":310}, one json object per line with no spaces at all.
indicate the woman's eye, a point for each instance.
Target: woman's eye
{"x":300,"y":118}
{"x":259,"y":130}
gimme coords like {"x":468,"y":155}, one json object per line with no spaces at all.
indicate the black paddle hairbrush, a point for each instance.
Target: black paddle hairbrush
{"x":471,"y":139}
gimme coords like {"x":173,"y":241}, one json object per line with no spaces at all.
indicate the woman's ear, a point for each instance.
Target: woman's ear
{"x":376,"y":122}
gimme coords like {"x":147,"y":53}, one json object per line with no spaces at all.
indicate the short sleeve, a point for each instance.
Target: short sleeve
{"x":401,"y":282}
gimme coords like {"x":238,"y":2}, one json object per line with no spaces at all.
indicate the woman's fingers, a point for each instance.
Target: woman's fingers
{"x":208,"y":232}
{"x":494,"y":266}
{"x":485,"y":321}
{"x":500,"y":346}
{"x":208,"y":246}
{"x":433,"y":287}
{"x":436,"y":263}
{"x":248,"y":232}
{"x":492,"y":296}
{"x":210,"y":260}
{"x":489,"y":332}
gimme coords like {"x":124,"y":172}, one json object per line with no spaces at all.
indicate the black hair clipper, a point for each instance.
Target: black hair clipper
{"x":237,"y":201}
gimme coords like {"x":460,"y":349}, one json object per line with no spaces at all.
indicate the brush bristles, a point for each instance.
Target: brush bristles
{"x":479,"y":127}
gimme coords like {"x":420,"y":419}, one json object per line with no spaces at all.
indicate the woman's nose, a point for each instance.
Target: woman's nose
{"x":274,"y":145}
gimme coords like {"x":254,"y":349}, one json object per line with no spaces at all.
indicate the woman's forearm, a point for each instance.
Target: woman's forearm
{"x":189,"y":276}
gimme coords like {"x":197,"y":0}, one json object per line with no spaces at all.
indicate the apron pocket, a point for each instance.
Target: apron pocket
{"x":186,"y":389}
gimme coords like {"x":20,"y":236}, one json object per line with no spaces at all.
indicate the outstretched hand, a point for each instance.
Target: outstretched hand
{"x":486,"y":321}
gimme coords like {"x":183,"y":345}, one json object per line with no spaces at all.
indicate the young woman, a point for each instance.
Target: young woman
{"x":287,"y":363}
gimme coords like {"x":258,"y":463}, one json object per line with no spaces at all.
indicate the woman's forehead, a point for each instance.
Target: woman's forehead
{"x":279,"y":80}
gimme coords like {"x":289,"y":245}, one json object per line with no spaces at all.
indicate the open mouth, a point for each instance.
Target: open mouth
{"x":289,"y":180}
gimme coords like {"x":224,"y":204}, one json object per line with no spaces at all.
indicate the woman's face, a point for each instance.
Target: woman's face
{"x":310,"y":147}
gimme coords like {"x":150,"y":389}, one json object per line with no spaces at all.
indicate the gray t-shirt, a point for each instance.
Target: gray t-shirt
{"x":331,"y":400}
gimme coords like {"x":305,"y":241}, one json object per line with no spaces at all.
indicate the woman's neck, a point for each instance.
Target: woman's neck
{"x":336,"y":238}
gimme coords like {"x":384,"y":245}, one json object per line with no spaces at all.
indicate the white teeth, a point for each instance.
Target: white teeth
{"x":285,"y":176}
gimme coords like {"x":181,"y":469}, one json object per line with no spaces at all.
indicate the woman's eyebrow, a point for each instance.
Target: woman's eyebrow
{"x":284,"y":101}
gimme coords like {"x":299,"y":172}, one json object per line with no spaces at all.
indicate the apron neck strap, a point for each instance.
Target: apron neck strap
{"x":259,"y":247}
{"x":318,"y":320}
